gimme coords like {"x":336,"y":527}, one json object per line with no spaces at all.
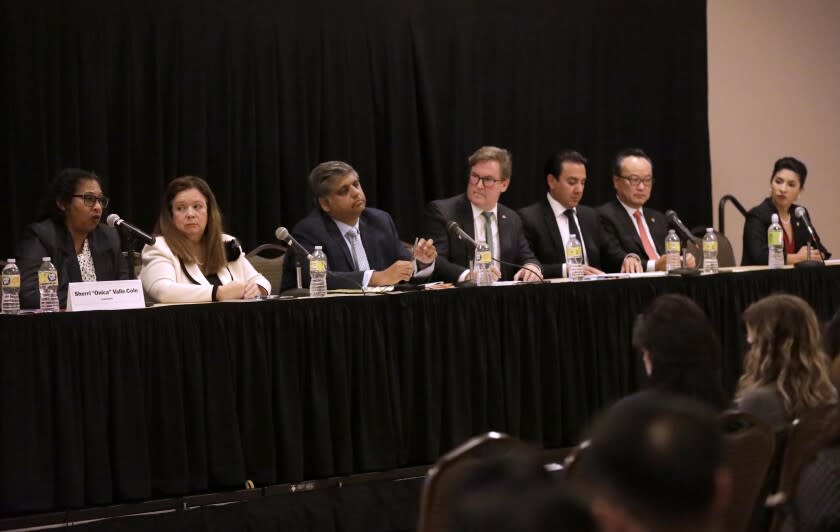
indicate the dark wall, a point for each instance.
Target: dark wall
{"x":251,"y":95}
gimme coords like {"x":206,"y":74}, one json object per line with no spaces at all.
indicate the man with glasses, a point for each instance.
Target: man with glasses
{"x":639,"y":231}
{"x":69,"y":231}
{"x":479,"y":213}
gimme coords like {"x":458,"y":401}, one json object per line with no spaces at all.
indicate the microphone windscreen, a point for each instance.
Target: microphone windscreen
{"x":799,"y":212}
{"x":452,"y":226}
{"x":112,"y":219}
{"x":670,"y":215}
{"x":282,"y":233}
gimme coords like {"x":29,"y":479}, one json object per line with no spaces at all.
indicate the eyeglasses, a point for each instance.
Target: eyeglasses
{"x":488,"y":182}
{"x":635,"y":180}
{"x":91,"y":199}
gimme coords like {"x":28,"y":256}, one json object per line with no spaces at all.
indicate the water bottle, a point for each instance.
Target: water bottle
{"x":483,"y":264}
{"x":11,"y":288}
{"x":672,"y":251}
{"x":775,"y":255}
{"x":710,"y":251}
{"x":48,"y":286}
{"x":574,"y":258}
{"x":318,"y":273}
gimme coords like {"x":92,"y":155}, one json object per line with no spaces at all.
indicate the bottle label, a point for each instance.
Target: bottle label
{"x":672,"y":247}
{"x":11,"y":281}
{"x":774,"y":238}
{"x":574,"y":252}
{"x":710,"y":247}
{"x":317,"y":266}
{"x":48,"y":278}
{"x":485,"y":257}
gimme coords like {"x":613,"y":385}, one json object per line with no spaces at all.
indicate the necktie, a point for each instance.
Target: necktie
{"x":574,"y":229}
{"x":488,"y":231}
{"x":357,"y":251}
{"x":649,"y":248}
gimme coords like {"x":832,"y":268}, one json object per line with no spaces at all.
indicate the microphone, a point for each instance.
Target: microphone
{"x":675,"y":221}
{"x":800,"y":213}
{"x":283,"y":235}
{"x":454,"y":229}
{"x":114,"y":220}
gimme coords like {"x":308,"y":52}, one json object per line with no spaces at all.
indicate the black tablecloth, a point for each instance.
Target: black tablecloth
{"x":103,"y":407}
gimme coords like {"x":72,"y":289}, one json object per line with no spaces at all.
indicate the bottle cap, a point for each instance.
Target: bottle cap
{"x":318,"y":247}
{"x":774,"y":218}
{"x":710,"y":229}
{"x":45,"y":259}
{"x":10,"y":261}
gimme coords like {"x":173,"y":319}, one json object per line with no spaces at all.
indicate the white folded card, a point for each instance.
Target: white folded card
{"x":105,"y":295}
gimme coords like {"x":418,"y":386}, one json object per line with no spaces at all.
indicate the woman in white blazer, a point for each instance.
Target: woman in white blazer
{"x":192,"y":261}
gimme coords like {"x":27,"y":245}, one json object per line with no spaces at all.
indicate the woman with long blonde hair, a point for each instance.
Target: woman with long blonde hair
{"x":785,"y":369}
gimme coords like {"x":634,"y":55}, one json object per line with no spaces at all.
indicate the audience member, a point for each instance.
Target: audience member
{"x":513,"y":493}
{"x":785,"y":370}
{"x":192,"y":260}
{"x":680,"y":350}
{"x":68,"y":231}
{"x":655,"y":463}
{"x":831,"y":347}
{"x":815,"y":498}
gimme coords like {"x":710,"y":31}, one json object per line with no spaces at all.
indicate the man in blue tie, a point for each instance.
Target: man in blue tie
{"x":361,"y":243}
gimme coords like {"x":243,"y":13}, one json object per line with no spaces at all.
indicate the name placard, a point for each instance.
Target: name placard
{"x":105,"y":295}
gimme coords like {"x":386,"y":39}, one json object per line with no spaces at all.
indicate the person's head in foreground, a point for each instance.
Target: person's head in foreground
{"x":655,"y":463}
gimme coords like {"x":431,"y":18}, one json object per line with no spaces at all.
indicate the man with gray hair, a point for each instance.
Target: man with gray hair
{"x":361,"y":243}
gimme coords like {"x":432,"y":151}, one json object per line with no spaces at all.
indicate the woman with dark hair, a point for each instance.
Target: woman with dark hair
{"x":192,"y":260}
{"x":785,"y":370}
{"x":786,"y":184}
{"x":680,"y":350}
{"x":68,"y":231}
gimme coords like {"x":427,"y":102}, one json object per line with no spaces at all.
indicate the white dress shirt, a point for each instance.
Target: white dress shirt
{"x":559,"y":211}
{"x":343,"y":228}
{"x":650,"y":265}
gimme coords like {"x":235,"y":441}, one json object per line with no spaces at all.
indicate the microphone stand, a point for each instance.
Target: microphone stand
{"x":131,"y":242}
{"x":298,"y":291}
{"x":810,"y":263}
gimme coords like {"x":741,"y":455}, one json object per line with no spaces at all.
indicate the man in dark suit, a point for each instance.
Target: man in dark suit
{"x":480,"y":215}
{"x":639,"y":231}
{"x":362,"y":245}
{"x":549,"y":222}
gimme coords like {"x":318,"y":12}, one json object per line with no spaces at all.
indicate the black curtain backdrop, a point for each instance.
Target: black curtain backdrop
{"x":251,"y":95}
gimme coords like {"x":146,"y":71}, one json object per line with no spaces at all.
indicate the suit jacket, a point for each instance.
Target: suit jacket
{"x":49,"y":238}
{"x":620,"y":230}
{"x":166,"y":281}
{"x":379,"y":238}
{"x":543,"y":235}
{"x":755,"y":232}
{"x":454,"y":255}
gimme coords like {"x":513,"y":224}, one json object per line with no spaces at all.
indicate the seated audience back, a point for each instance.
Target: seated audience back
{"x":785,"y":370}
{"x":814,"y":501}
{"x":655,"y":462}
{"x":680,"y":350}
{"x":512,"y":492}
